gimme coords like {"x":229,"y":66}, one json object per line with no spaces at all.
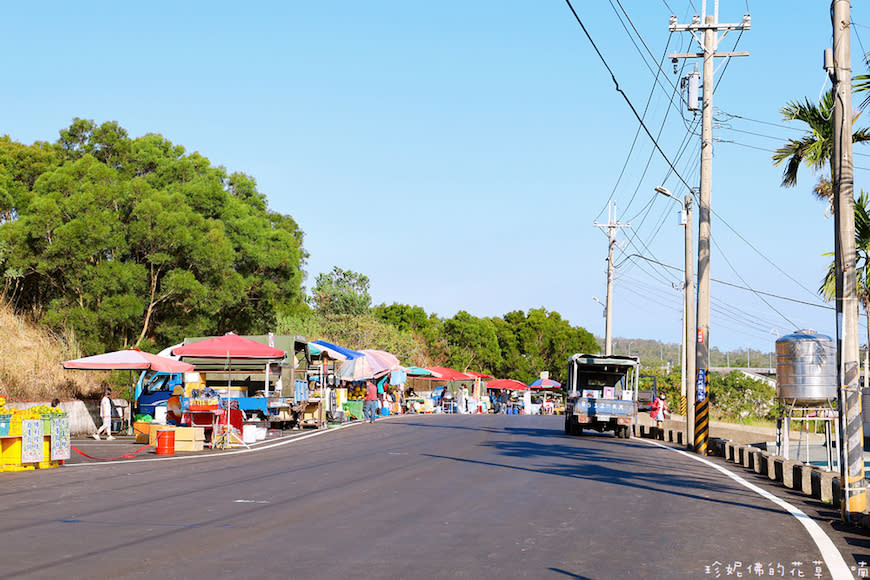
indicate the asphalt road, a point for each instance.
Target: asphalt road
{"x":464,"y":496}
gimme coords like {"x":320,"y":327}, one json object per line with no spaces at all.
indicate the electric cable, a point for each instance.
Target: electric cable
{"x":619,"y":89}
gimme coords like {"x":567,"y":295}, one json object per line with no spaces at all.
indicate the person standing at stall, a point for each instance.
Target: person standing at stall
{"x":370,"y":402}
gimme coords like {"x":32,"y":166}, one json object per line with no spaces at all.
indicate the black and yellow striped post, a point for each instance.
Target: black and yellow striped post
{"x":853,"y":439}
{"x":702,"y":414}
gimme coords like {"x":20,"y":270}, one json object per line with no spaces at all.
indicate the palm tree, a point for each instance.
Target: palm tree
{"x":862,"y":264}
{"x":813,"y":149}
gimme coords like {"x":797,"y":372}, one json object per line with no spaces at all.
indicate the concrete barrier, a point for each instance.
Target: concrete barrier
{"x":749,"y":458}
{"x":802,"y":481}
{"x":729,"y":450}
{"x":761,"y":461}
{"x":717,"y":445}
{"x":822,"y":485}
{"x":785,"y":472}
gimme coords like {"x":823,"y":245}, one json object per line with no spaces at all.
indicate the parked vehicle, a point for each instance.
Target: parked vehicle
{"x":602,"y":394}
{"x":646,"y":392}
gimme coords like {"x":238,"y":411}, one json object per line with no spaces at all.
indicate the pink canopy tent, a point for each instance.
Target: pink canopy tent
{"x":129,"y":359}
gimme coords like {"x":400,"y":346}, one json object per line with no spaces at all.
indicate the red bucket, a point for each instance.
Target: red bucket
{"x":165,"y":442}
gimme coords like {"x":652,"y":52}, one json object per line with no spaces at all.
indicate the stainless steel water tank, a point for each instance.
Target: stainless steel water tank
{"x":806,"y":368}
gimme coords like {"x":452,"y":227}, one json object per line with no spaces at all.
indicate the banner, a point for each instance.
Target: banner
{"x":60,"y":438}
{"x":31,"y":441}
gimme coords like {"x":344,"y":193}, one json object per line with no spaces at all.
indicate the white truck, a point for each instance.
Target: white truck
{"x":602,"y":394}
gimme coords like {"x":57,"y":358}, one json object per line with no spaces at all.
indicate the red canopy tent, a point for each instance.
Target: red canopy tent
{"x":229,"y":345}
{"x":508,"y":384}
{"x":232,"y":348}
{"x":449,"y":374}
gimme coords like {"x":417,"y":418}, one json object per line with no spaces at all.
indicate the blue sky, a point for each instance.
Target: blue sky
{"x":456,"y":152}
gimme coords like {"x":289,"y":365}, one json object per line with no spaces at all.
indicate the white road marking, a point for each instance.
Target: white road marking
{"x":251,"y":501}
{"x":216,"y":455}
{"x":833,"y":559}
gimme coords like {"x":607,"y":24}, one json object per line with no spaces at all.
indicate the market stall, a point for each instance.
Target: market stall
{"x":505,"y":396}
{"x":37,"y":437}
{"x":226,"y":361}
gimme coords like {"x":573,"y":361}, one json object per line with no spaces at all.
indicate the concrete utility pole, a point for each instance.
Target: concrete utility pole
{"x":688,"y":387}
{"x":839,"y":68}
{"x":612,"y":225}
{"x":710,"y":28}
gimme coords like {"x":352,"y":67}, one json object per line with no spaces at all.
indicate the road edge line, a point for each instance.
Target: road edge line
{"x":833,"y":558}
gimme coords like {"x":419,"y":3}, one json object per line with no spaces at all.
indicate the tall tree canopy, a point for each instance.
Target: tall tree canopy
{"x":133,"y":241}
{"x":341,"y":293}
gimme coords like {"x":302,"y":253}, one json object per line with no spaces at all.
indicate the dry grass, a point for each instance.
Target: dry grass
{"x":30,"y":362}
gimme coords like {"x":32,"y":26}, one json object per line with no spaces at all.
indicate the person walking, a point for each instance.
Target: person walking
{"x":370,"y":402}
{"x":105,"y":415}
{"x":657,"y":410}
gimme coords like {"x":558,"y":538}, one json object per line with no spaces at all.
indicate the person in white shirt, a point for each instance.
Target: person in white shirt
{"x":105,"y":415}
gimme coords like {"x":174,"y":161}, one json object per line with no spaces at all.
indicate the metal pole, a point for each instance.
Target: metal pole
{"x":608,"y":308}
{"x":612,"y":225}
{"x":844,"y":210}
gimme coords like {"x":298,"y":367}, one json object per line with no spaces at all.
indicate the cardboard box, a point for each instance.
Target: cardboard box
{"x":188,"y":445}
{"x":141,"y":427}
{"x":143,"y":438}
{"x":189,"y":434}
{"x":152,"y":437}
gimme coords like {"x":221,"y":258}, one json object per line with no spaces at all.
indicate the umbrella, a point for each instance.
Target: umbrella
{"x":371,"y":364}
{"x":509,"y":384}
{"x":420,"y":372}
{"x":546,"y":384}
{"x":319,"y":349}
{"x":130,"y":359}
{"x":381,"y":361}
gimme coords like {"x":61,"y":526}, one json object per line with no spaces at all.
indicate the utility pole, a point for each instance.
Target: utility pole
{"x":838,"y":65}
{"x":612,"y":225}
{"x":688,"y":358}
{"x":710,"y":28}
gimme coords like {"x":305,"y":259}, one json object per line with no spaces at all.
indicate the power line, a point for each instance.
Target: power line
{"x":736,"y":273}
{"x":731,"y":284}
{"x":621,"y":92}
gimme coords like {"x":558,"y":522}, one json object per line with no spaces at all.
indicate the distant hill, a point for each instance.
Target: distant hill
{"x":660,"y":354}
{"x":30,"y":362}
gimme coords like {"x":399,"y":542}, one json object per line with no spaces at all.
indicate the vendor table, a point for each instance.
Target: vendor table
{"x":207,"y":419}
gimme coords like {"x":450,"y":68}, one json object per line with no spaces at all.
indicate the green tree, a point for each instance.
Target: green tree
{"x":736,"y":396}
{"x":133,"y":241}
{"x":341,"y":293}
{"x":471,"y":343}
{"x":862,"y":259}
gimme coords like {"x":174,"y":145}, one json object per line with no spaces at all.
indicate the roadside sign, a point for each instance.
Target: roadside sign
{"x":701,"y":386}
{"x":700,"y":335}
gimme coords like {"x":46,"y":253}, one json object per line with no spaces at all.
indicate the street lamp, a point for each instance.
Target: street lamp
{"x":775,"y":334}
{"x":604,"y":311}
{"x":688,"y":386}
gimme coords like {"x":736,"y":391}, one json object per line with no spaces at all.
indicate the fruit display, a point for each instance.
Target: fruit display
{"x":357,"y":392}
